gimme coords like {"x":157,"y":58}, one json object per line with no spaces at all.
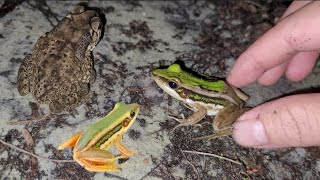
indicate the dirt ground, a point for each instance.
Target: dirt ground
{"x":205,"y":36}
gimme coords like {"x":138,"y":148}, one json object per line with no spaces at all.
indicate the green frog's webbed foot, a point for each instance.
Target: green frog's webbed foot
{"x":183,"y":122}
{"x":180,"y":120}
{"x":199,"y":113}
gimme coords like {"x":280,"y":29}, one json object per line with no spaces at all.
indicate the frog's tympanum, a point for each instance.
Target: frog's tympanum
{"x":91,"y":146}
{"x":204,"y":97}
{"x":60,"y":68}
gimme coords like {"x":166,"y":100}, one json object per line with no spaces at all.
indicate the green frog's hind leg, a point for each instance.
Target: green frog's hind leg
{"x":71,"y":142}
{"x":70,"y":101}
{"x":223,"y":121}
{"x":97,"y":160}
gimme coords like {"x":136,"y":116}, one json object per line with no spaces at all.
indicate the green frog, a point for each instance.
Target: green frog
{"x":91,"y":147}
{"x":203,"y":97}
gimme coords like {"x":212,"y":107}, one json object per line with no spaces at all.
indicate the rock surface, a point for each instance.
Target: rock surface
{"x":140,"y":36}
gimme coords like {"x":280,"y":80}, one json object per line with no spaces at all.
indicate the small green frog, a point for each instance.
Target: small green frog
{"x":204,"y":97}
{"x":91,"y":147}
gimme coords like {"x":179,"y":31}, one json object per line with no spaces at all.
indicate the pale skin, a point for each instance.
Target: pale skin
{"x":290,"y":48}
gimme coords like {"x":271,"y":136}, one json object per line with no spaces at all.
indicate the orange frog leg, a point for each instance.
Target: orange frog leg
{"x":71,"y":142}
{"x":125,"y":152}
{"x":97,"y":160}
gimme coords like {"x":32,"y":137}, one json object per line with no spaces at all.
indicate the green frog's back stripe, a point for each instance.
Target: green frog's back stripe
{"x":199,"y":97}
{"x":106,"y":137}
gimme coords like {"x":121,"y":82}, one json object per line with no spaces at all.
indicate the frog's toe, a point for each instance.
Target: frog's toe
{"x":103,"y":168}
{"x":180,"y":120}
{"x":127,"y":154}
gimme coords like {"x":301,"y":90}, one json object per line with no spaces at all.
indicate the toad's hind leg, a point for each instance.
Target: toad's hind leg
{"x":223,"y":121}
{"x":70,"y":101}
{"x":24,"y":76}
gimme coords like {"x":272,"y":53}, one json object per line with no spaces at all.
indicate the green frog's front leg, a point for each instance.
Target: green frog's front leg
{"x":223,"y":121}
{"x":199,"y":113}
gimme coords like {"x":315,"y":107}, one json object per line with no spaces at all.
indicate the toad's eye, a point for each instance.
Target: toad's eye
{"x":132,"y":113}
{"x":173,"y":85}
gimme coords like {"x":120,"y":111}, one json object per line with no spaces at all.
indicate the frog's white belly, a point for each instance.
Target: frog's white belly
{"x":212,"y":109}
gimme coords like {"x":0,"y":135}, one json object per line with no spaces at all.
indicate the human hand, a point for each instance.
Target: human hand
{"x":290,"y":48}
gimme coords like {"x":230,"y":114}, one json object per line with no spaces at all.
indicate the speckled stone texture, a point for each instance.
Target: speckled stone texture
{"x":206,"y":37}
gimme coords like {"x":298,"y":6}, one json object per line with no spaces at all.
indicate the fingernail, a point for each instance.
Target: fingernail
{"x":250,"y":133}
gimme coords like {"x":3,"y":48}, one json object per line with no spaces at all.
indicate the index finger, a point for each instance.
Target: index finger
{"x":295,"y":33}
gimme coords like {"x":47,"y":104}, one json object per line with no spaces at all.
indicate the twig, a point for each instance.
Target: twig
{"x":31,"y":154}
{"x":259,"y":5}
{"x":213,"y":155}
{"x":150,"y":171}
{"x":192,"y":165}
{"x":44,"y":117}
{"x":139,"y":88}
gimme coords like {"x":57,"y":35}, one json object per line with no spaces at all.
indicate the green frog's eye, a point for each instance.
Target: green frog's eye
{"x":173,"y":85}
{"x":132,"y":114}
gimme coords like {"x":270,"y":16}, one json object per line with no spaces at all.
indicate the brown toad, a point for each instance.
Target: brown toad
{"x":60,"y":69}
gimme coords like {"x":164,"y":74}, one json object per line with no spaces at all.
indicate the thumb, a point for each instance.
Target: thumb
{"x":292,"y":121}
